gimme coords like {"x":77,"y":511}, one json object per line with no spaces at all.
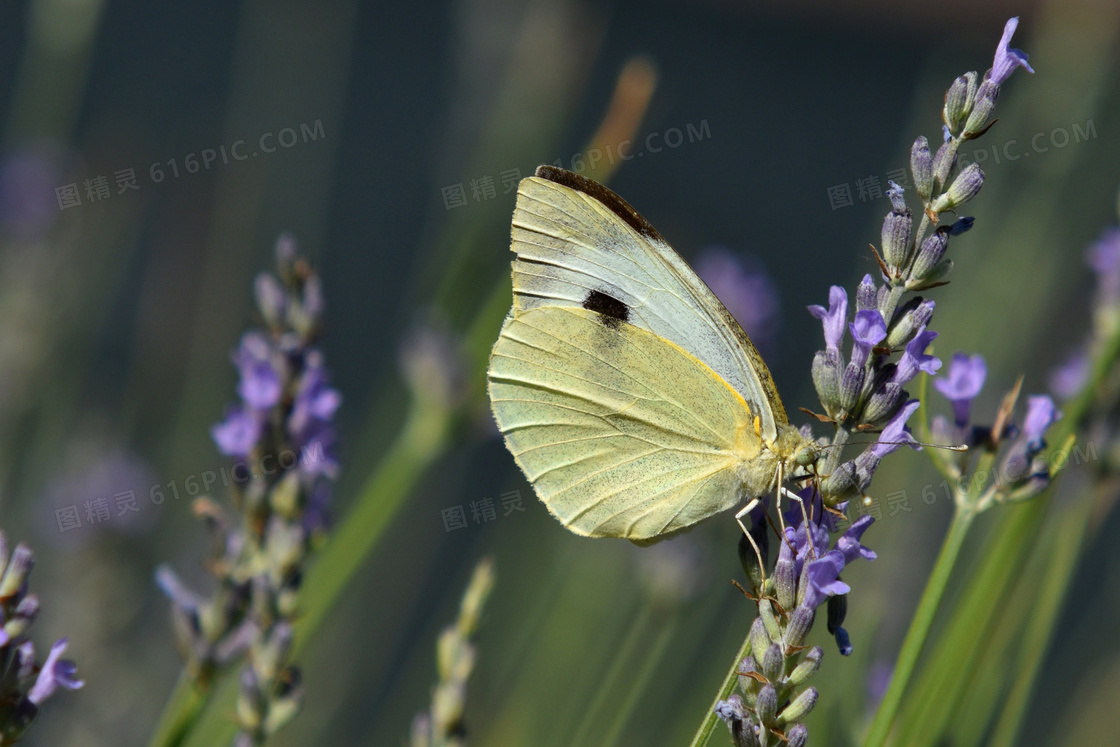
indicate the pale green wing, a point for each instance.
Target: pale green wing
{"x":574,"y":237}
{"x":621,"y":433}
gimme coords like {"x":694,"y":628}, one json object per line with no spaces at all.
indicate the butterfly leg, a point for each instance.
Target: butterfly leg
{"x":757,"y":553}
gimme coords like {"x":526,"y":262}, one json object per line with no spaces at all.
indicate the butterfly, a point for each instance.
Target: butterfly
{"x":632,"y":400}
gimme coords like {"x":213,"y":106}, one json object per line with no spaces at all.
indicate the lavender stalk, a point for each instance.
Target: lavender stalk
{"x":282,"y":435}
{"x":861,"y":392}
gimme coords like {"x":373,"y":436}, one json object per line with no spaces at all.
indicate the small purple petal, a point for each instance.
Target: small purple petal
{"x":55,"y":672}
{"x":848,"y":543}
{"x":965,"y":380}
{"x":237,"y":434}
{"x":868,"y":330}
{"x":834,"y":317}
{"x":914,"y":358}
{"x":1041,"y":414}
{"x":895,"y":433}
{"x":1007,"y":59}
{"x":824,"y":579}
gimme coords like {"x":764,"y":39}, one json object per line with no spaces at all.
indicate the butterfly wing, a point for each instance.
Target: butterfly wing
{"x":622,"y":433}
{"x":578,"y":244}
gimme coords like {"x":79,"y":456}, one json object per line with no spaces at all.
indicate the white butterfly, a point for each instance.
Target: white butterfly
{"x":630,"y":397}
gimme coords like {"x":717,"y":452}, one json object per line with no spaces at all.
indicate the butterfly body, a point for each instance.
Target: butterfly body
{"x":629,"y":396}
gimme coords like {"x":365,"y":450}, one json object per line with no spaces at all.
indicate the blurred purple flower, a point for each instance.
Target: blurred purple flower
{"x":1041,"y":414}
{"x":1007,"y":59}
{"x":238,"y":433}
{"x":1068,"y":379}
{"x":28,"y":177}
{"x":56,"y":672}
{"x":1103,"y":256}
{"x":964,"y":382}
{"x":260,"y":386}
{"x":746,"y":289}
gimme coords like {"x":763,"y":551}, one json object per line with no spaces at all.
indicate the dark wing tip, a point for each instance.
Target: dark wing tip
{"x":613,"y":202}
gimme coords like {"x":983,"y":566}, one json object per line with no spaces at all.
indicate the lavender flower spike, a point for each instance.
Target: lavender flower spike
{"x":1007,"y":59}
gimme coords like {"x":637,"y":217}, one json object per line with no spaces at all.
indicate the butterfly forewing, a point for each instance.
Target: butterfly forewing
{"x":575,"y":239}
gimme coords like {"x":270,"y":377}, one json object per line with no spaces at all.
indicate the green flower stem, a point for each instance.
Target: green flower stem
{"x":1063,"y":553}
{"x":652,"y":660}
{"x":920,"y":626}
{"x":609,"y":683}
{"x":704,"y":733}
{"x":184,"y":705}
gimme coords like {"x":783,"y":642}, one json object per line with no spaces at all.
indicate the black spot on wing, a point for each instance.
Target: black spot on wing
{"x":613,"y":202}
{"x":610,"y":310}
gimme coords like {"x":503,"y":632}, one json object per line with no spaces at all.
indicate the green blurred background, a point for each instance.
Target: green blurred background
{"x":117,"y":317}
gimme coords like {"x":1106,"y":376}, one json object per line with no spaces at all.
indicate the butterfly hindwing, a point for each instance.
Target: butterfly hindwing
{"x":621,"y":433}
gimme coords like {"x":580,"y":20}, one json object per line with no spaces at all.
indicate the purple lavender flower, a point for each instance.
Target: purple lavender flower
{"x":868,"y":330}
{"x":1041,"y":414}
{"x":1104,"y":257}
{"x":896,"y":433}
{"x":1007,"y":59}
{"x":966,"y":378}
{"x":238,"y":433}
{"x":25,"y":686}
{"x":833,"y":318}
{"x":915,"y":359}
{"x":56,"y":672}
{"x":745,"y":289}
{"x":260,"y":386}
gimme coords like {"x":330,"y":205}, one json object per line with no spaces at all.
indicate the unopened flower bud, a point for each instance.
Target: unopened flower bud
{"x":896,"y":236}
{"x":958,"y":101}
{"x":866,"y":294}
{"x":797,"y":736}
{"x":826,"y":379}
{"x":767,"y":705}
{"x":981,"y":115}
{"x":914,"y":315}
{"x":800,"y":621}
{"x":800,"y":706}
{"x":943,"y":162}
{"x":964,"y":188}
{"x":930,"y":253}
{"x":807,"y":667}
{"x":851,"y":386}
{"x":773,"y":663}
{"x":760,"y":640}
{"x":921,"y":167}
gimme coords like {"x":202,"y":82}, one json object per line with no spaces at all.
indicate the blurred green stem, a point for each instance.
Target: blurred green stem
{"x":920,"y":625}
{"x":704,"y":733}
{"x":652,"y":660}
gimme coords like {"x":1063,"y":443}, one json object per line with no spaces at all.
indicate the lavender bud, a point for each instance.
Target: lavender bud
{"x":914,"y":315}
{"x":21,"y":563}
{"x":931,"y":252}
{"x":896,"y":233}
{"x":798,"y":736}
{"x":807,"y":667}
{"x":800,"y":622}
{"x":958,"y":101}
{"x":800,"y":706}
{"x":981,"y":116}
{"x":785,"y":580}
{"x":943,"y":162}
{"x":883,"y":403}
{"x":866,"y":294}
{"x":773,"y":662}
{"x":964,"y":188}
{"x":250,"y":704}
{"x":841,"y":483}
{"x":767,"y":705}
{"x":271,"y":299}
{"x":770,"y":621}
{"x":921,"y":167}
{"x":760,"y":641}
{"x":851,"y":386}
{"x":747,"y":666}
{"x":826,"y":379}
{"x":733,"y":713}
